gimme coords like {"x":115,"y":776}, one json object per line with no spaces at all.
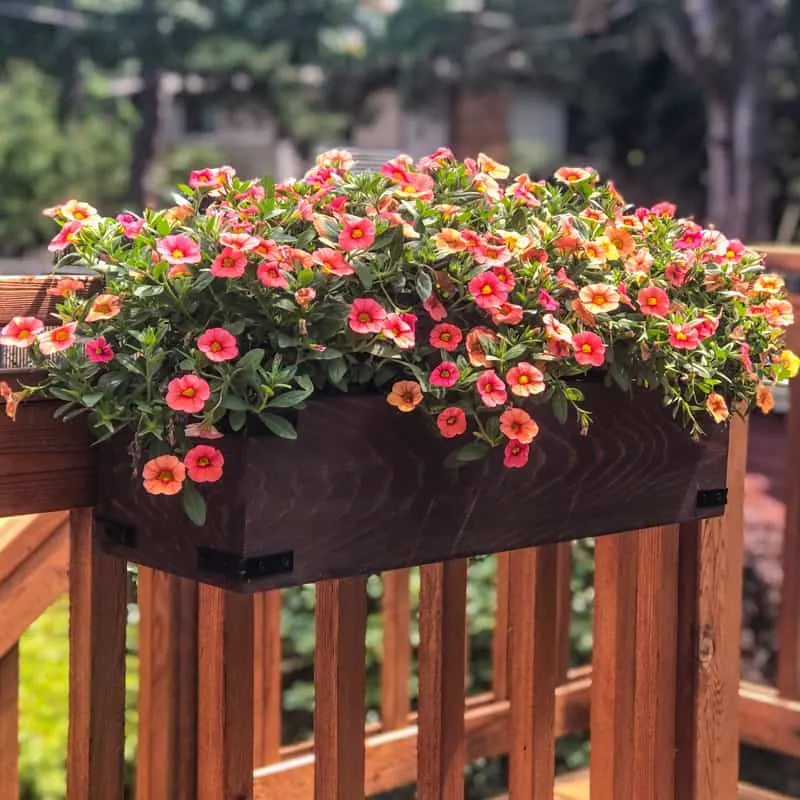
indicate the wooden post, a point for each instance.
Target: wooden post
{"x":9,"y":723}
{"x":710,"y":610}
{"x":225,"y":695}
{"x":267,"y":675}
{"x":396,"y":658}
{"x":97,"y":620}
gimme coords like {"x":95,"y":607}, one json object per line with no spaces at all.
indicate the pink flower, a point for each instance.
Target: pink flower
{"x":179,"y":249}
{"x":445,"y":336}
{"x":400,"y":329}
{"x":332,"y":261}
{"x":357,"y":234}
{"x":547,"y":301}
{"x":187,"y":393}
{"x":433,"y":305}
{"x":99,"y":351}
{"x":202,"y":430}
{"x":445,"y":375}
{"x":239,"y":241}
{"x":366,"y":316}
{"x":131,"y":225}
{"x":525,"y":379}
{"x":653,"y":301}
{"x":516,"y":454}
{"x":589,"y":349}
{"x":491,"y":389}
{"x":505,"y":276}
{"x":706,"y":326}
{"x":305,"y":297}
{"x":21,"y":331}
{"x":217,"y":344}
{"x":507,"y":314}
{"x":676,"y":274}
{"x":230,"y":263}
{"x":487,"y":290}
{"x":269,"y":273}
{"x":57,"y":339}
{"x":683,"y":337}
{"x":65,"y":237}
{"x":75,"y":210}
{"x":452,"y":422}
{"x":204,"y":463}
{"x":518,"y":425}
{"x":748,"y":364}
{"x":207,"y":178}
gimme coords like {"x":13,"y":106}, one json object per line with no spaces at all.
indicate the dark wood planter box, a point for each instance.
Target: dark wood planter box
{"x":364,"y":489}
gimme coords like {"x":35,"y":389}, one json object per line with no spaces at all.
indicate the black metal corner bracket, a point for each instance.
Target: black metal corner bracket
{"x":712,"y":498}
{"x":114,"y":532}
{"x":242,"y":568}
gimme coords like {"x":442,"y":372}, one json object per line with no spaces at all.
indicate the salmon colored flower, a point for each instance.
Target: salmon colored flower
{"x":230,"y":263}
{"x":58,"y":339}
{"x":357,"y":234}
{"x":405,"y":395}
{"x":204,"y":463}
{"x":574,"y":175}
{"x":475,"y":347}
{"x":104,"y":306}
{"x":565,"y":281}
{"x":305,"y":297}
{"x":487,"y":290}
{"x":400,"y":328}
{"x":518,"y":425}
{"x":179,"y":249}
{"x":366,"y":316}
{"x":239,"y":241}
{"x":179,"y":271}
{"x":75,"y":210}
{"x":491,"y":389}
{"x":507,"y":314}
{"x":764,"y":399}
{"x":516,"y":455}
{"x":332,"y":262}
{"x":555,"y":329}
{"x":683,"y":337}
{"x":492,"y":167}
{"x":98,"y":351}
{"x":436,"y":159}
{"x":267,"y":249}
{"x":202,"y":430}
{"x":217,"y":344}
{"x":67,"y":236}
{"x":449,"y":240}
{"x":768,"y":284}
{"x":525,"y":379}
{"x":163,"y":475}
{"x":131,"y":224}
{"x":188,"y":393}
{"x":433,"y":305}
{"x":445,"y":375}
{"x":397,"y":170}
{"x":270,"y":275}
{"x":653,"y":301}
{"x":21,"y":331}
{"x":599,"y":298}
{"x":66,"y":287}
{"x":452,"y":422}
{"x":779,"y":313}
{"x":676,"y":274}
{"x":445,"y":336}
{"x":416,"y":186}
{"x":717,"y":407}
{"x":582,"y":313}
{"x":622,"y":241}
{"x":589,"y":349}
{"x":638,"y":264}
{"x":505,"y":276}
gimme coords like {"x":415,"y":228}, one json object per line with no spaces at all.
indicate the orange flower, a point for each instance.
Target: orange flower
{"x":518,"y":425}
{"x":57,"y":339}
{"x":475,"y":351}
{"x":779,"y":313}
{"x":12,"y":399}
{"x":449,"y":240}
{"x":492,"y":167}
{"x":163,"y":475}
{"x":65,"y":286}
{"x":622,"y":241}
{"x":405,"y":395}
{"x":764,"y":399}
{"x":717,"y":407}
{"x":525,"y":379}
{"x":599,"y":297}
{"x":104,"y":306}
{"x":768,"y":284}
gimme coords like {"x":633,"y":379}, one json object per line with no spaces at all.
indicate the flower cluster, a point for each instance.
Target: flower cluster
{"x":448,"y":286}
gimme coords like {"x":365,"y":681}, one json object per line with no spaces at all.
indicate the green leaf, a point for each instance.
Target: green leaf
{"x":305,"y":277}
{"x":515,"y":352}
{"x":305,"y":383}
{"x":237,"y":419}
{"x":64,"y":394}
{"x":148,"y":291}
{"x":236,"y":328}
{"x":424,"y":285}
{"x":573,"y":394}
{"x":92,"y":399}
{"x":278,"y":425}
{"x":202,"y":281}
{"x":194,"y":504}
{"x":110,"y":381}
{"x":364,"y":272}
{"x":337,"y":370}
{"x":234,"y":403}
{"x":560,"y":408}
{"x":251,"y":360}
{"x":620,"y":376}
{"x":288,"y":399}
{"x":469,"y":452}
{"x":324,"y":355}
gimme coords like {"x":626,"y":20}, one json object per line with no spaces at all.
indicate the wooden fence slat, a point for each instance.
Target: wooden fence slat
{"x":709,"y":625}
{"x":533,"y":676}
{"x":396,"y":658}
{"x":267,"y":671}
{"x":98,"y":611}
{"x":225,"y":695}
{"x":339,"y":685}
{"x":442,"y":626}
{"x":167,"y":739}
{"x":563,"y":610}
{"x":9,"y":723}
{"x":500,"y":632}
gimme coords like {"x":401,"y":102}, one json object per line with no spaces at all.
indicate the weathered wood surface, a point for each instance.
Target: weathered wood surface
{"x":9,"y":724}
{"x":26,"y":296}
{"x":396,"y":656}
{"x":365,"y":490}
{"x":267,"y":678}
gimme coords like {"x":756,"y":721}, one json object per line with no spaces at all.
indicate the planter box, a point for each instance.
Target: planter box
{"x":364,"y":489}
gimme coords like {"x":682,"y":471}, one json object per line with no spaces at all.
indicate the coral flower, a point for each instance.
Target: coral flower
{"x":492,"y":167}
{"x":779,"y":313}
{"x":357,"y":234}
{"x":445,"y":375}
{"x":400,"y":329}
{"x":599,"y":298}
{"x":573,"y":175}
{"x":764,"y":399}
{"x":239,"y":241}
{"x":507,"y":314}
{"x":676,"y":274}
{"x":204,"y":463}
{"x":230,"y":263}
{"x":653,"y":301}
{"x":433,"y":305}
{"x":445,"y":336}
{"x":487,"y":290}
{"x":525,"y":379}
{"x":164,"y":475}
{"x":491,"y":389}
{"x":187,"y":393}
{"x":131,"y":224}
{"x":366,"y":316}
{"x":65,"y":287}
{"x":547,"y":301}
{"x":516,"y":454}
{"x":518,"y":425}
{"x":405,"y":395}
{"x":99,"y":351}
{"x":452,"y":422}
{"x":589,"y":349}
{"x":179,"y":249}
{"x":270,"y":275}
{"x":683,"y":337}
{"x":57,"y":339}
{"x":706,"y":326}
{"x":332,"y":261}
{"x":305,"y":297}
{"x":21,"y":332}
{"x":449,"y":240}
{"x":717,"y":407}
{"x":217,"y":344}
{"x":475,"y":351}
{"x":65,"y":237}
{"x":104,"y":306}
{"x":505,"y":276}
{"x":416,"y":186}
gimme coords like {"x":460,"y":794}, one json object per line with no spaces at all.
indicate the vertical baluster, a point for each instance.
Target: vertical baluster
{"x":396,"y":659}
{"x":267,"y":671}
{"x":563,"y":610}
{"x":9,"y":723}
{"x":500,"y":632}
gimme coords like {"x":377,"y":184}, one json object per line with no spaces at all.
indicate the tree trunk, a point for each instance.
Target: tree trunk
{"x":719,"y":152}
